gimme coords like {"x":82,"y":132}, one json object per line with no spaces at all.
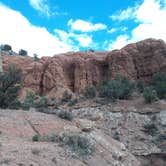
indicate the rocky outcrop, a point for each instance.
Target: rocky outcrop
{"x":75,"y":71}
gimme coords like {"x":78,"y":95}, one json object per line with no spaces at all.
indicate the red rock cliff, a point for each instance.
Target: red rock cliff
{"x":75,"y":71}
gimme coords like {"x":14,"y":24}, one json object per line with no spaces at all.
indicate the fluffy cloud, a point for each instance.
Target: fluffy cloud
{"x":129,"y":13}
{"x":85,"y":26}
{"x":41,"y":6}
{"x":120,"y":42}
{"x":150,"y":15}
{"x":17,"y":31}
{"x":84,"y":40}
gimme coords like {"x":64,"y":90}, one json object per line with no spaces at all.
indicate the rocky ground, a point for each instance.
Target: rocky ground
{"x":125,"y":133}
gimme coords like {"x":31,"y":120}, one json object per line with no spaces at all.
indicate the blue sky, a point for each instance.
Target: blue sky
{"x":48,"y":27}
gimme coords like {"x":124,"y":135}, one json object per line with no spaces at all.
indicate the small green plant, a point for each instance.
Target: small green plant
{"x":159,"y":84}
{"x":36,"y":138}
{"x":66,"y":115}
{"x":66,"y":96}
{"x":90,"y":92}
{"x":140,"y":86}
{"x":35,"y":151}
{"x":119,"y":88}
{"x":50,"y":138}
{"x":5,"y":161}
{"x":29,"y":100}
{"x":10,"y":85}
{"x":41,"y":102}
{"x":116,"y":136}
{"x":78,"y":144}
{"x":149,"y":95}
{"x":72,"y":102}
{"x":150,"y":128}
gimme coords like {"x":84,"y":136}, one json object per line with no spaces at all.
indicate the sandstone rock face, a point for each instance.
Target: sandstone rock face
{"x":75,"y":71}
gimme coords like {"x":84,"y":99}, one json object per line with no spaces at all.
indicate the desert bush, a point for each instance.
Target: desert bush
{"x":6,"y":47}
{"x":10,"y":85}
{"x":66,"y":115}
{"x":36,"y":138}
{"x":140,"y":86}
{"x":34,"y":101}
{"x":35,"y":151}
{"x":150,"y":128}
{"x":41,"y":102}
{"x":72,"y":102}
{"x":149,"y":95}
{"x":66,"y":96}
{"x":50,"y":138}
{"x":159,"y":84}
{"x":78,"y":144}
{"x":119,"y":88}
{"x":29,"y":100}
{"x":90,"y":92}
{"x":23,"y":52}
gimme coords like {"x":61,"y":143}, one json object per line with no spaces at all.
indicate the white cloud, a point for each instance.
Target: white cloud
{"x":41,"y":6}
{"x":17,"y":31}
{"x":126,"y":14}
{"x":85,"y":26}
{"x":83,"y":39}
{"x":120,"y":42}
{"x":151,"y":16}
{"x":112,"y":30}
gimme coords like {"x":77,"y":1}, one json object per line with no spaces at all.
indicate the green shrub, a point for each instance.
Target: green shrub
{"x":119,"y":88}
{"x":149,"y":95}
{"x":34,"y":101}
{"x":36,"y":138}
{"x":10,"y":85}
{"x":150,"y":128}
{"x":41,"y":103}
{"x":90,"y":92}
{"x":36,"y":151}
{"x":78,"y":144}
{"x":72,"y":102}
{"x":140,"y":86}
{"x":159,"y":83}
{"x":66,"y":96}
{"x":50,"y":138}
{"x":66,"y":115}
{"x":29,"y":100}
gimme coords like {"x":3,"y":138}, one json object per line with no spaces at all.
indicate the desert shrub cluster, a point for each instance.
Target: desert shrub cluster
{"x":77,"y":143}
{"x":119,"y":88}
{"x":122,"y":88}
{"x":10,"y":85}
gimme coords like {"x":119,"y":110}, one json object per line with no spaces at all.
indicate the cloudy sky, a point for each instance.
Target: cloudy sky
{"x":48,"y":27}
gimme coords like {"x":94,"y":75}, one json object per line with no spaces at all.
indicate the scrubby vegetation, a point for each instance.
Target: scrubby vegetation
{"x":119,"y":88}
{"x":77,"y":143}
{"x":150,"y":128}
{"x":149,"y":95}
{"x":66,"y":97}
{"x":90,"y":92}
{"x":36,"y":138}
{"x":34,"y":101}
{"x":66,"y":115}
{"x":10,"y":85}
{"x":159,"y":84}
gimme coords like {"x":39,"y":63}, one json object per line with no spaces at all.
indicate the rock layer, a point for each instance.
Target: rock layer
{"x":75,"y":71}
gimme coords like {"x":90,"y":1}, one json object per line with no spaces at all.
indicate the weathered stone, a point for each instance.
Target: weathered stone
{"x":76,"y":71}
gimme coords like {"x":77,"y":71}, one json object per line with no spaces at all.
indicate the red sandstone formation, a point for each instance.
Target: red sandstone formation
{"x":75,"y":71}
